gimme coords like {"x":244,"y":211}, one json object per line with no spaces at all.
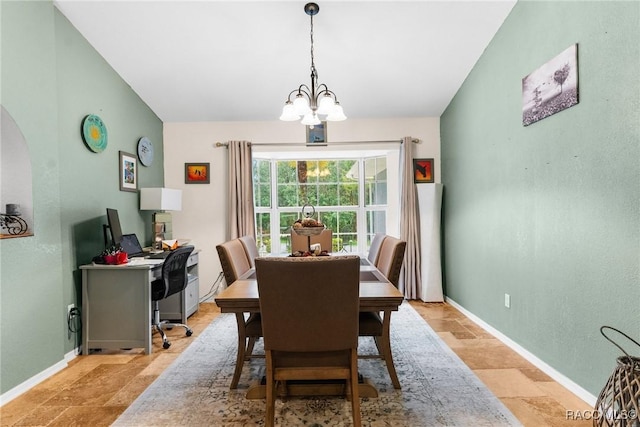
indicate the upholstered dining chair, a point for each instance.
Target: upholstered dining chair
{"x":235,"y":263}
{"x":374,"y":249}
{"x":309,"y":310}
{"x":250,"y":248}
{"x":173,"y":279}
{"x":389,"y":263}
{"x":301,"y":243}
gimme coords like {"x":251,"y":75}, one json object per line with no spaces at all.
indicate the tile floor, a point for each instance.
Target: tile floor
{"x":94,"y":390}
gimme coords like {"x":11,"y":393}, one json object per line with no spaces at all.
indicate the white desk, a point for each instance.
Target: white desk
{"x":116,"y":303}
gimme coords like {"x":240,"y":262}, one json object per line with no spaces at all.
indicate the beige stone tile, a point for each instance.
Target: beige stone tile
{"x":508,"y":383}
{"x":565,"y":397}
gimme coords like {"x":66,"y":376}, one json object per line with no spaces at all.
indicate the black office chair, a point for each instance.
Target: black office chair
{"x":174,"y":279}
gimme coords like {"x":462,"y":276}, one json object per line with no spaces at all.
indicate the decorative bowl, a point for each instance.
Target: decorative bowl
{"x":308,"y":231}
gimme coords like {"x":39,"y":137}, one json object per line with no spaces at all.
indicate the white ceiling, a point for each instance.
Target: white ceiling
{"x":238,"y":60}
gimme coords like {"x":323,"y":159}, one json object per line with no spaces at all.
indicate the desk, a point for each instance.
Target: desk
{"x":116,"y":303}
{"x":376,"y":294}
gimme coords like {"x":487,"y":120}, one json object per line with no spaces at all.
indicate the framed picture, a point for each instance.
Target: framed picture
{"x":128,"y":172}
{"x":196,"y":173}
{"x":422,"y":170}
{"x":317,"y":134}
{"x":551,"y":88}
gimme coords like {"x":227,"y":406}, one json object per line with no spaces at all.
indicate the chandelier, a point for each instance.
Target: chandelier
{"x":316,"y":103}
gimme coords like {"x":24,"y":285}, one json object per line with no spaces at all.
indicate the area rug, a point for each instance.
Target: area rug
{"x":438,"y":389}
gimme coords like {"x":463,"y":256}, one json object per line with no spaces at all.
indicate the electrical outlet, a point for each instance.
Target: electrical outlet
{"x":507,"y":300}
{"x":70,"y":307}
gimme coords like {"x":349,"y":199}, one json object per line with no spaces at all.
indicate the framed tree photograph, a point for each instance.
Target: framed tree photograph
{"x":128,"y":172}
{"x":317,"y":134}
{"x":422,"y":171}
{"x":196,"y":173}
{"x":551,"y":88}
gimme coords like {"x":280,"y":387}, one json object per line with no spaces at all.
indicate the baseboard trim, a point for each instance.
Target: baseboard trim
{"x":540,"y":364}
{"x":38,"y":378}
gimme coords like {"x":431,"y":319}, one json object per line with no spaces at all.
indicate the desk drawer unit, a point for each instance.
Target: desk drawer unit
{"x":182,"y":305}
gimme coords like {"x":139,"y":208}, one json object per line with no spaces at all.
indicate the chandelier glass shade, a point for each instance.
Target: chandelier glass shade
{"x":312,"y":104}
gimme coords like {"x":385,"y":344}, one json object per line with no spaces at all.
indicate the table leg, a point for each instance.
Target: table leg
{"x":385,"y":348}
{"x":242,"y":341}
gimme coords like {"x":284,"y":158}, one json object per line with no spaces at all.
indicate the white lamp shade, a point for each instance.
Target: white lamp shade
{"x":160,"y":199}
{"x":301,"y":105}
{"x":337,"y":115}
{"x":310,"y":119}
{"x":289,"y":113}
{"x":326,"y":105}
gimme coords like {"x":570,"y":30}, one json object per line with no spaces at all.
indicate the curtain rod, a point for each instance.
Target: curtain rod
{"x":295,"y":144}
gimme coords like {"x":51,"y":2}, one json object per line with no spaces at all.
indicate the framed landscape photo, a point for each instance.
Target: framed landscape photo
{"x":317,"y":134}
{"x":422,"y":171}
{"x":128,"y":171}
{"x":196,"y":173}
{"x":551,"y":88}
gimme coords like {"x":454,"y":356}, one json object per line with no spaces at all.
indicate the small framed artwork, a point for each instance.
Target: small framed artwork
{"x":551,"y":88}
{"x":317,"y":134}
{"x":422,"y":170}
{"x":196,"y":173}
{"x":128,"y":172}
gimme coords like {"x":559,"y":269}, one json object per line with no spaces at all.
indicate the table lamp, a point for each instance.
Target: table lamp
{"x":160,"y":199}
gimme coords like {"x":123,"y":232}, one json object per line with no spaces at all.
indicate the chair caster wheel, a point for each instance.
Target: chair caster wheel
{"x":189,"y":332}
{"x":166,"y":344}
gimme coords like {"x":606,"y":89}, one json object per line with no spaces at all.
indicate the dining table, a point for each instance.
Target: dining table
{"x":377,"y":294}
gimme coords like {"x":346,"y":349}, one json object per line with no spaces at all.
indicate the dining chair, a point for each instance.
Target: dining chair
{"x":235,"y":262}
{"x":301,"y":243}
{"x":173,"y":279}
{"x":309,"y":310}
{"x":250,"y":248}
{"x":374,"y":249}
{"x":372,"y":324}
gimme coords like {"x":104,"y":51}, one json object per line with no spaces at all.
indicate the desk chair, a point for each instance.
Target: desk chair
{"x":309,"y":309}
{"x":173,"y":280}
{"x":374,"y":249}
{"x":389,"y":263}
{"x":235,"y":263}
{"x":250,"y":248}
{"x":301,"y":243}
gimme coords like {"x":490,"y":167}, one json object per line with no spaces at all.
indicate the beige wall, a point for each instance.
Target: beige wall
{"x":203,"y":218}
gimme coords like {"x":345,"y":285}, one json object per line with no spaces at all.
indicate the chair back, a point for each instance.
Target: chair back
{"x":374,"y":249}
{"x":309,"y":304}
{"x":251,"y":249}
{"x":174,"y":274}
{"x":233,"y":259}
{"x":390,"y":258}
{"x":301,"y":243}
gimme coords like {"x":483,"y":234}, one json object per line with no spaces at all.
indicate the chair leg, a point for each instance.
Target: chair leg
{"x":242,"y":342}
{"x":270,"y":416}
{"x":250,"y":344}
{"x":354,"y":390}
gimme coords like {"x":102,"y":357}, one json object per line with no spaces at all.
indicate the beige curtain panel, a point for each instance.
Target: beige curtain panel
{"x":241,"y":213}
{"x":410,"y":276}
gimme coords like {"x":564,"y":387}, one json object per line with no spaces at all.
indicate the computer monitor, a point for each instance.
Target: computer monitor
{"x":115,"y":231}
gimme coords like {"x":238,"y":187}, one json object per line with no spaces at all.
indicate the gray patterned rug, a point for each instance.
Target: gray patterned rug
{"x":438,"y":389}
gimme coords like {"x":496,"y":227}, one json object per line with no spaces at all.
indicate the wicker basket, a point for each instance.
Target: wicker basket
{"x":618,"y":404}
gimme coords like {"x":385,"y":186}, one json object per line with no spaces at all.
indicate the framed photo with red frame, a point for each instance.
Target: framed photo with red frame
{"x":196,"y":173}
{"x":422,"y":171}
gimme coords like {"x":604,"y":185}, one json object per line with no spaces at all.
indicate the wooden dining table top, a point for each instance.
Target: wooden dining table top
{"x":376,"y":293}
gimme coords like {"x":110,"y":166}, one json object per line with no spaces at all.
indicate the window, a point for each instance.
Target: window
{"x":349,"y":195}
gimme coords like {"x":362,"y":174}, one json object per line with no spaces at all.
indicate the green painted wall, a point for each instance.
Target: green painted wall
{"x":549,"y":213}
{"x":51,"y":79}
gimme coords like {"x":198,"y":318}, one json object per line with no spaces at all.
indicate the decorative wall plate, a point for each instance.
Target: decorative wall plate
{"x":145,"y":151}
{"x":94,"y":133}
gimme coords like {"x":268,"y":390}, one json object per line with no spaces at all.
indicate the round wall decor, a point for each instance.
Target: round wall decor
{"x":145,"y":151}
{"x":94,"y":133}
